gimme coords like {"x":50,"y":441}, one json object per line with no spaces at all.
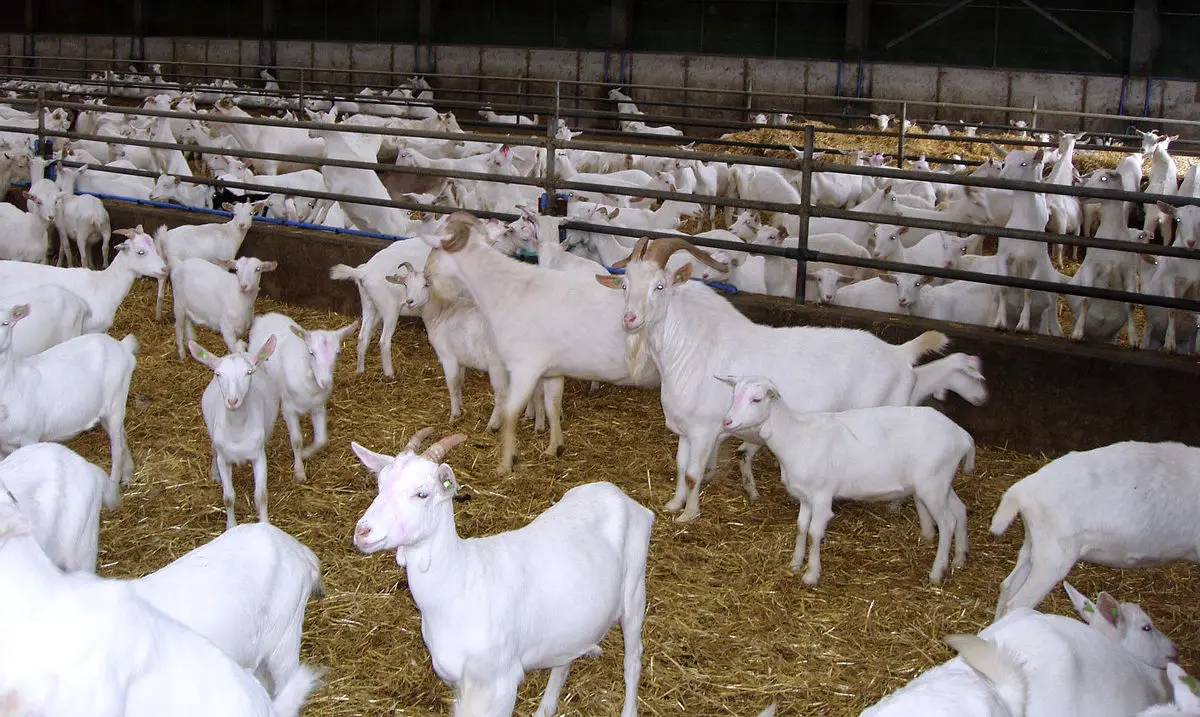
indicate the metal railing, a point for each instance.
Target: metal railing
{"x":306,"y":85}
{"x":807,"y":164}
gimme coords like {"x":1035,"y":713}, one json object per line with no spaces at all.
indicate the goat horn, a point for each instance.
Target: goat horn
{"x":662,"y":249}
{"x":459,"y":226}
{"x":639,"y":250}
{"x":438,"y":451}
{"x":417,"y":439}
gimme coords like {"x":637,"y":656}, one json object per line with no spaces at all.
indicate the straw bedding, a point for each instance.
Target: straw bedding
{"x":728,"y":629}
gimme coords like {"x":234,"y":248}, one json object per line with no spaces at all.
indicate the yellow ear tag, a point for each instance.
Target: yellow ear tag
{"x":446,"y":483}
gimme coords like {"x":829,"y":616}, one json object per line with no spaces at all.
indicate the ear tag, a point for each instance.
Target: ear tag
{"x":446,"y":483}
{"x":1114,"y":612}
{"x":1088,"y":608}
{"x":1191,"y":683}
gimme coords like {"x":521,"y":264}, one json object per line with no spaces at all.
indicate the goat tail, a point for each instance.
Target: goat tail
{"x":130,"y":344}
{"x":290,"y":698}
{"x":1010,"y":506}
{"x":996,"y":665}
{"x":769,"y":711}
{"x":927,"y":342}
{"x":342,"y":272}
{"x":968,"y":462}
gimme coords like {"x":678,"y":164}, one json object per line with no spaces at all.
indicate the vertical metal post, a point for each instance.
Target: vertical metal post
{"x":300,"y":97}
{"x":803,"y":212}
{"x":900,"y":142}
{"x":41,"y":130}
{"x":548,"y":174}
{"x":1034,"y":115}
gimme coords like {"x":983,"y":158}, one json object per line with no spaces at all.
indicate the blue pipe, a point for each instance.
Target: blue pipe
{"x":1121,"y":102}
{"x":1146,"y":107}
{"x":837,"y":89}
{"x":858,"y":90}
{"x":223,"y":213}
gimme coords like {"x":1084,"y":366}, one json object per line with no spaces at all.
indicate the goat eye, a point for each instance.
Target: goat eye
{"x":756,"y":400}
{"x":141,"y":252}
{"x":659,"y":287}
{"x":249,"y":371}
{"x":422,"y":494}
{"x":1146,"y":628}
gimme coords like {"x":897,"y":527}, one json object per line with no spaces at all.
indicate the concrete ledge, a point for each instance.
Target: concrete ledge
{"x":1048,"y":394}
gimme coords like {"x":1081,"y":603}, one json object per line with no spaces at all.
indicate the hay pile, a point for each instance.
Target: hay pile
{"x":1084,"y":160}
{"x":728,"y":629}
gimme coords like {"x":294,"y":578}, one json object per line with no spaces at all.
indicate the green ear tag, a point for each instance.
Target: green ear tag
{"x":1191,"y":682}
{"x":1089,"y":608}
{"x":446,"y":483}
{"x":1114,"y":612}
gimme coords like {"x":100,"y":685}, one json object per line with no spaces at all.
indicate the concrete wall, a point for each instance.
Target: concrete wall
{"x":743,"y":81}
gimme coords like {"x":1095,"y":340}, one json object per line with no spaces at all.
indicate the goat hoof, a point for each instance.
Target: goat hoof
{"x":810,"y":578}
{"x":687,"y":516}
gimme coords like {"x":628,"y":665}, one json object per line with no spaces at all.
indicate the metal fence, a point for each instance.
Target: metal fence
{"x":304,"y":83}
{"x":807,"y":163}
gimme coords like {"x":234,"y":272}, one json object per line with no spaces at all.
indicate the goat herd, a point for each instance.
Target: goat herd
{"x":218,"y":631}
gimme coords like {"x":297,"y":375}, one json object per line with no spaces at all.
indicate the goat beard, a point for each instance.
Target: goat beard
{"x":635,"y":353}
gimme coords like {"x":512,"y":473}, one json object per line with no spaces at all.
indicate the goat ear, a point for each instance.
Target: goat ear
{"x":202,"y":355}
{"x":446,"y":480}
{"x":269,"y":265}
{"x":348,"y":329}
{"x":227,"y":264}
{"x":612,"y":281}
{"x":374,"y":462}
{"x":888,"y":278}
{"x":19,"y":312}
{"x":727,"y":379}
{"x":265,"y":351}
{"x":682,"y":274}
{"x":299,"y":332}
{"x":1110,"y":610}
{"x":1165,"y":208}
{"x":1085,"y":607}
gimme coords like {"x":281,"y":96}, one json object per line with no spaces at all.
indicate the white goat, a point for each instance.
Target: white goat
{"x":1023,"y":257}
{"x":82,"y":218}
{"x":1109,"y":269}
{"x":214,"y":242}
{"x":59,"y":315}
{"x":36,"y":405}
{"x":61,"y":494}
{"x":1052,"y":666}
{"x":544,"y":323}
{"x":102,"y":290}
{"x":1164,"y":179}
{"x":302,"y":370}
{"x":1125,"y":505}
{"x":881,"y":453}
{"x":26,"y":236}
{"x":240,"y":414}
{"x":112,"y":654}
{"x":246,"y":592}
{"x":380,"y":299}
{"x":582,"y":560}
{"x":208,"y":294}
{"x":1066,"y":212}
{"x":173,"y":189}
{"x":692,"y":334}
{"x":459,"y":335}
